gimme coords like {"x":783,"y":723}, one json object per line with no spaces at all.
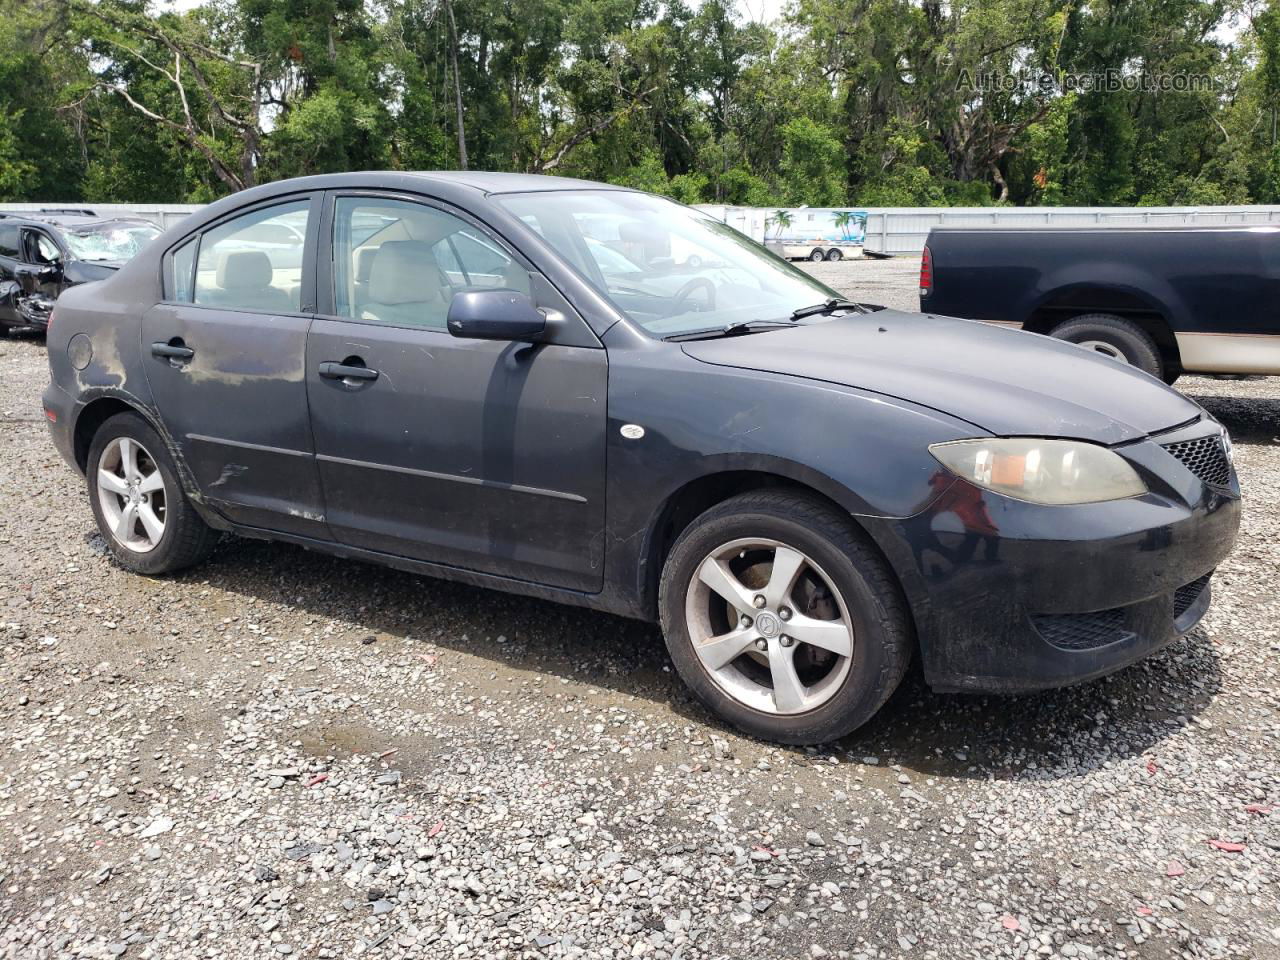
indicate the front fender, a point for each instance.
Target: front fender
{"x":867,"y":453}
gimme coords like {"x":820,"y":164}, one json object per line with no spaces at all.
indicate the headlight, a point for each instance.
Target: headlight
{"x":1042,"y":471}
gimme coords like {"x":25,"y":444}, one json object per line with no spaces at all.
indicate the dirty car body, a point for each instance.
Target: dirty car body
{"x":42,"y":255}
{"x":337,"y":405}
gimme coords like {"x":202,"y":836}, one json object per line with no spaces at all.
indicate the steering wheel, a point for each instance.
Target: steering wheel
{"x":688,"y":290}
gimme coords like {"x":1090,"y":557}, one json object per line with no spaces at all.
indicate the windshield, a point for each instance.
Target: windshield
{"x":671,"y":269}
{"x":110,"y":241}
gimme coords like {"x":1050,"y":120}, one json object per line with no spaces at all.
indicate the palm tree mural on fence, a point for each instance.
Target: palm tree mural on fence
{"x":781,"y":221}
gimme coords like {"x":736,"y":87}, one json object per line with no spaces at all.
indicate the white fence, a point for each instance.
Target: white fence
{"x":902,"y":230}
{"x":891,"y":230}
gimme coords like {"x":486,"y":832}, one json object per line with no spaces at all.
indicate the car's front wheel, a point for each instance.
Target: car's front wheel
{"x":782,"y":618}
{"x":138,"y":502}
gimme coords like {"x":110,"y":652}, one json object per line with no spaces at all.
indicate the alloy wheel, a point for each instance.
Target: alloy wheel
{"x":769,"y":626}
{"x":132,"y":494}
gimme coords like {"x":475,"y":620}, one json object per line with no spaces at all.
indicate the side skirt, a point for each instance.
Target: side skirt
{"x":525,"y":588}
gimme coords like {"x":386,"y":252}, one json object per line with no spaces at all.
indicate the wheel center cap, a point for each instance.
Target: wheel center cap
{"x":768,"y":624}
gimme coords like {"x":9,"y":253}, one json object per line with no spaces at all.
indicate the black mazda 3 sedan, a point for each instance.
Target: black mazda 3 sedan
{"x":594,"y":395}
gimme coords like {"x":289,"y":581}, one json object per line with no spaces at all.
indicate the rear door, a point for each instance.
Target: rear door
{"x":225,"y":356}
{"x":483,"y":455}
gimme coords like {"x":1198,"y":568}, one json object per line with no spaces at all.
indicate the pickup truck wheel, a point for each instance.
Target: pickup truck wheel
{"x":782,"y":618}
{"x":1113,"y":337}
{"x":815,"y":255}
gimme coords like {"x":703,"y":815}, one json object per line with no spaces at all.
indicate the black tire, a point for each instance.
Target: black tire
{"x":1132,"y":344}
{"x":815,"y":255}
{"x":834,"y":255}
{"x":1171,"y":376}
{"x":883,"y":640}
{"x":187,"y":539}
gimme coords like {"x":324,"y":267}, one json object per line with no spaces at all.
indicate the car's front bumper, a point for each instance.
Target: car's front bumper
{"x":1042,"y":596}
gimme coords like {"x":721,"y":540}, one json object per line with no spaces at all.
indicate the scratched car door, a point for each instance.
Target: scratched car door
{"x":477,"y":454}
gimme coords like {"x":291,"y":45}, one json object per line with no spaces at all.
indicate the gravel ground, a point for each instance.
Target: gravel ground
{"x":894,"y":283}
{"x":281,"y":754}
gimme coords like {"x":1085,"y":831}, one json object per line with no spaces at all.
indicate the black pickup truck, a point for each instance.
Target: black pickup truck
{"x":1169,"y":300}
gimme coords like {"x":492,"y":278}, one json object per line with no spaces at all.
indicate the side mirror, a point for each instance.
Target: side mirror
{"x":495,"y":315}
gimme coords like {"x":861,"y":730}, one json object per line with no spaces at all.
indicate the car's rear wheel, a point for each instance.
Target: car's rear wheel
{"x":815,"y":255}
{"x":833,"y":255}
{"x":138,"y":502}
{"x":782,"y":618}
{"x":1113,"y":337}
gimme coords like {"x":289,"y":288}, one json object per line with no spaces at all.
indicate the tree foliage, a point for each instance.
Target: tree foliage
{"x":870,"y":102}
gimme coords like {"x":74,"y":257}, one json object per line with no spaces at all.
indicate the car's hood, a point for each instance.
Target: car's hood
{"x":1005,"y":381}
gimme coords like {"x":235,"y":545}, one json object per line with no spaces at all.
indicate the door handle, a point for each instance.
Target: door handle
{"x":346,"y":371}
{"x":174,"y":349}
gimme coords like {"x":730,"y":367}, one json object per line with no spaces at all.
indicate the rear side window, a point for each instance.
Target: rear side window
{"x":9,"y":240}
{"x":184,"y":261}
{"x":253,"y":262}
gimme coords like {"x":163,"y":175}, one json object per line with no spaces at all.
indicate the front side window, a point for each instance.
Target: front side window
{"x":670,"y":268}
{"x":9,"y":239}
{"x":253,"y":262}
{"x":43,"y":249}
{"x":401,"y":263}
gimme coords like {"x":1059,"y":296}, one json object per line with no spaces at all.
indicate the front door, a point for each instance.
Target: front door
{"x":40,"y":276}
{"x":225,"y":355}
{"x":483,"y":455}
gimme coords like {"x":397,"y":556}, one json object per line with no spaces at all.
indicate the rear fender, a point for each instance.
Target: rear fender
{"x":1142,"y":286}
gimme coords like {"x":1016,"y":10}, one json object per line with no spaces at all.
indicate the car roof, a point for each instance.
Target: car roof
{"x":510,"y":182}
{"x":479,"y":181}
{"x":71,"y":220}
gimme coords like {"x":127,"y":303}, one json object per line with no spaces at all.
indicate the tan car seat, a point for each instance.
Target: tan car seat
{"x":406,"y":288}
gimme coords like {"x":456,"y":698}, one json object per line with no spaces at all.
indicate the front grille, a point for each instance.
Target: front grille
{"x":1082,"y":631}
{"x":1205,"y":457}
{"x":1187,"y":595}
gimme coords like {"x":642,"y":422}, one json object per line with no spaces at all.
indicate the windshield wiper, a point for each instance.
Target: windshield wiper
{"x":731,"y":330}
{"x":826,"y":307}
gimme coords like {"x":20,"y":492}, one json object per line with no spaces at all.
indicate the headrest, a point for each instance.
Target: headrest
{"x":244,"y":270}
{"x":364,"y":263}
{"x":404,"y":271}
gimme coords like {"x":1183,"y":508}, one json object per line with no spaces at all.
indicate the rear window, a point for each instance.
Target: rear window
{"x":9,"y":240}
